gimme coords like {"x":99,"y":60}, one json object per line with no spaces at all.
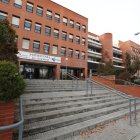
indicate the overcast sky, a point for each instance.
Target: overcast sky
{"x":119,"y":17}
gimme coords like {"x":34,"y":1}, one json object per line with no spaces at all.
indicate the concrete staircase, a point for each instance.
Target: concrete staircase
{"x":54,"y":110}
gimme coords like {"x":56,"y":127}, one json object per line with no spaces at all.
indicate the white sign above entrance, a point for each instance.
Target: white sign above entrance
{"x":39,"y":57}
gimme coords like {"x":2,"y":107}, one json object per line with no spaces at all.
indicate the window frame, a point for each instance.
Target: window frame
{"x":34,"y":48}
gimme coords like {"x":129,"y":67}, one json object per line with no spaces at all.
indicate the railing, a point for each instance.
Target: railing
{"x":132,"y":101}
{"x":18,"y":125}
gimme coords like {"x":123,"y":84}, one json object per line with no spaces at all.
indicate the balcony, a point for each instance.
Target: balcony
{"x":94,"y":54}
{"x":117,"y":51}
{"x":92,"y":61}
{"x":94,"y":44}
{"x":116,"y":59}
{"x":117,"y":66}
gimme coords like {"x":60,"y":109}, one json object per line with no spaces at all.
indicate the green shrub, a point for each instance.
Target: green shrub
{"x":12,"y":84}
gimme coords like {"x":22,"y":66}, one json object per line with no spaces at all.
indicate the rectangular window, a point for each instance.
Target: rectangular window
{"x":25,"y":43}
{"x":56,"y":33}
{"x":83,"y":41}
{"x":71,"y":23}
{"x":65,"y":21}
{"x":70,"y":54}
{"x":70,"y":37}
{"x":83,"y":28}
{"x":3,"y":15}
{"x":18,"y":3}
{"x":78,"y":26}
{"x":77,"y":40}
{"x":49,"y":15}
{"x":57,"y":18}
{"x":27,"y":25}
{"x":64,"y":36}
{"x":15,"y":21}
{"x":29,"y":7}
{"x":83,"y":56}
{"x":77,"y":54}
{"x":46,"y":47}
{"x":5,"y":1}
{"x":54,"y":49}
{"x":63,"y":51}
{"x":47,"y":31}
{"x":39,"y":11}
{"x":36,"y":45}
{"x":38,"y":28}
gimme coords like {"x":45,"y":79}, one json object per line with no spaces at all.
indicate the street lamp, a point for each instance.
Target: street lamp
{"x":66,"y":66}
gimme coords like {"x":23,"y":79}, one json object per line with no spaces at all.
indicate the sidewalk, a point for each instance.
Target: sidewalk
{"x":115,"y":130}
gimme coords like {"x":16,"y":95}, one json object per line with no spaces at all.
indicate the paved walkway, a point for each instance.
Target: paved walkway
{"x":115,"y":130}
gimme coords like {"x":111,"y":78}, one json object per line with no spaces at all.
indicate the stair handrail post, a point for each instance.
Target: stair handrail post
{"x":91,"y":87}
{"x":135,"y":110}
{"x":130,"y":111}
{"x":87,"y":86}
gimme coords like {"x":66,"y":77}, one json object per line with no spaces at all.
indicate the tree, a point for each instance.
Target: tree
{"x":8,"y":45}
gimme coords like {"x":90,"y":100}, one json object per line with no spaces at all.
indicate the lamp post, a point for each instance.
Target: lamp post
{"x":66,"y":66}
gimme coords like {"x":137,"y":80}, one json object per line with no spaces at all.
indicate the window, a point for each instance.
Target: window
{"x":29,"y":7}
{"x":18,"y":3}
{"x":25,"y":43}
{"x":36,"y":45}
{"x":5,"y":1}
{"x":54,"y":50}
{"x":70,"y":54}
{"x":78,"y":26}
{"x":27,"y":25}
{"x":3,"y":15}
{"x":77,"y":39}
{"x":64,"y":36}
{"x":39,"y":11}
{"x":83,"y":41}
{"x":65,"y":21}
{"x":47,"y":31}
{"x":49,"y":14}
{"x":83,"y":28}
{"x":70,"y":37}
{"x":15,"y":21}
{"x":63,"y":51}
{"x":46,"y":47}
{"x":83,"y":56}
{"x":38,"y":28}
{"x":56,"y":33}
{"x":57,"y":18}
{"x":77,"y":54}
{"x":71,"y":23}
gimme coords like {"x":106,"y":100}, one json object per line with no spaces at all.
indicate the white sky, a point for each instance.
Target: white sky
{"x":119,"y":17}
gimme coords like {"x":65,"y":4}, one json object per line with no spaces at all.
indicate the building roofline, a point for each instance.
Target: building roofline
{"x":69,"y":9}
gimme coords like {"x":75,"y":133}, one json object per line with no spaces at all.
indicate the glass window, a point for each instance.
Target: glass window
{"x":71,"y":23}
{"x":5,"y":1}
{"x":83,"y":41}
{"x":65,"y":21}
{"x":27,"y":25}
{"x":49,"y":14}
{"x":29,"y":7}
{"x":18,"y":3}
{"x":46,"y":47}
{"x":47,"y":31}
{"x":3,"y":15}
{"x":38,"y":28}
{"x":36,"y":46}
{"x":54,"y":49}
{"x":77,"y":54}
{"x":39,"y":11}
{"x":64,"y":36}
{"x":70,"y":37}
{"x":83,"y":28}
{"x":78,"y":26}
{"x":57,"y":18}
{"x":83,"y":56}
{"x":15,"y":21}
{"x":70,"y":54}
{"x":63,"y":51}
{"x":77,"y":39}
{"x":56,"y":33}
{"x":25,"y":43}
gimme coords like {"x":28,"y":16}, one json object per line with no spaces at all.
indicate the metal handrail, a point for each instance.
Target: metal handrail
{"x":18,"y":125}
{"x":122,"y":94}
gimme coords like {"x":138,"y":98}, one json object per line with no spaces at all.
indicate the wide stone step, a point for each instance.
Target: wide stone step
{"x":57,"y":113}
{"x":75,"y":129}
